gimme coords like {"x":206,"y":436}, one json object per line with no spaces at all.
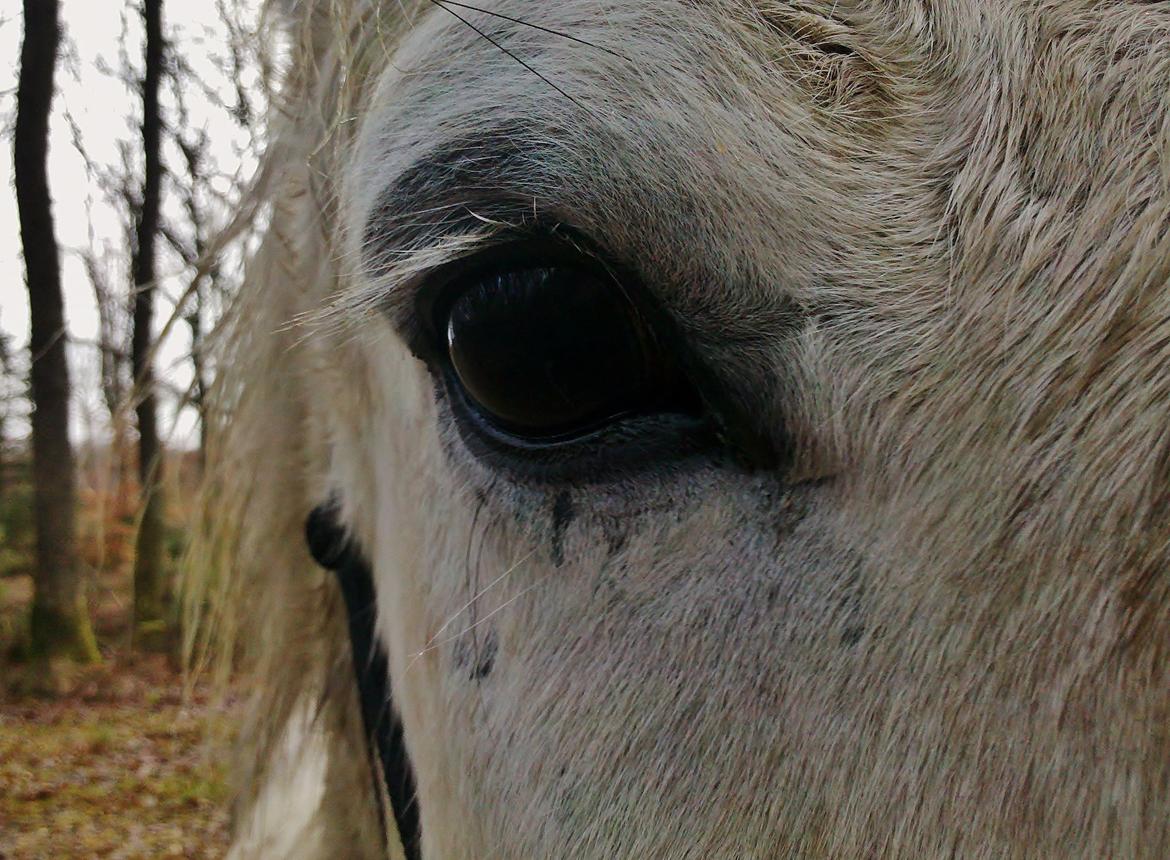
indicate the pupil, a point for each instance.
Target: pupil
{"x":546,"y":351}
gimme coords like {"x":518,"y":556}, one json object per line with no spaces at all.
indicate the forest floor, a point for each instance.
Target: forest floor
{"x":125,"y":760}
{"x":124,"y":766}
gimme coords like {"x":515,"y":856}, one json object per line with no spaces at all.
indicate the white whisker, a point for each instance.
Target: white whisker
{"x":431,"y":647}
{"x":477,"y":596}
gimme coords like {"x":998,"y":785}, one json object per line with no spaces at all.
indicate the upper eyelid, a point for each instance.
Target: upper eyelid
{"x":452,"y":201}
{"x":480,"y":177}
{"x":397,"y":261}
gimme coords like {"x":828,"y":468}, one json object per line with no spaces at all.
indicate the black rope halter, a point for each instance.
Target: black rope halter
{"x":333,"y":549}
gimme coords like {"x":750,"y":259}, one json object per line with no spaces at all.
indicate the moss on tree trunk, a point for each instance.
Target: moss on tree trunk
{"x":62,"y":632}
{"x":150,"y":584}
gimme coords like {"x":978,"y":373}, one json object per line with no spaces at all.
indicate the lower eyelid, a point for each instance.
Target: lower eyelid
{"x":629,"y":446}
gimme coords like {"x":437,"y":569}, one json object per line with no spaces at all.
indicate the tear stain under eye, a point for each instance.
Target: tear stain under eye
{"x":477,"y":659}
{"x":486,"y":660}
{"x":617,"y":535}
{"x":562,"y":516}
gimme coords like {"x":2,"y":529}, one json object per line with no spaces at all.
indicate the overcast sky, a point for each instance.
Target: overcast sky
{"x":103,"y":109}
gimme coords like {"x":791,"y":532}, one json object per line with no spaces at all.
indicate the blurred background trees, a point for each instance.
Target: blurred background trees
{"x":96,"y":478}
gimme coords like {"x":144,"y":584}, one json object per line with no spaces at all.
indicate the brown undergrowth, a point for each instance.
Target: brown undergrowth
{"x":125,"y":759}
{"x":126,"y":766}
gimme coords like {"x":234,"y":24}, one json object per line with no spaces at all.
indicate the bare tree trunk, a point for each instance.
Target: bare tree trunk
{"x":199,"y":382}
{"x":194,"y":317}
{"x":5,"y":373}
{"x":60,"y":624}
{"x":150,"y":584}
{"x":193,"y":251}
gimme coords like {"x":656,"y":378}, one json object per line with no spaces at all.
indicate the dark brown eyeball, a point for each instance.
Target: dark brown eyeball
{"x":553,"y":351}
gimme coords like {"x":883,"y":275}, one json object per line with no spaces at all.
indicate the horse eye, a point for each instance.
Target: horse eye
{"x":551,"y":353}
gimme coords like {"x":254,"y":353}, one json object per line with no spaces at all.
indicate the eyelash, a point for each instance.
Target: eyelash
{"x":434,"y":296}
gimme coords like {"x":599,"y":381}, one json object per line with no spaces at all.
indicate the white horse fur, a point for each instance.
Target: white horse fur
{"x":924,"y":246}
